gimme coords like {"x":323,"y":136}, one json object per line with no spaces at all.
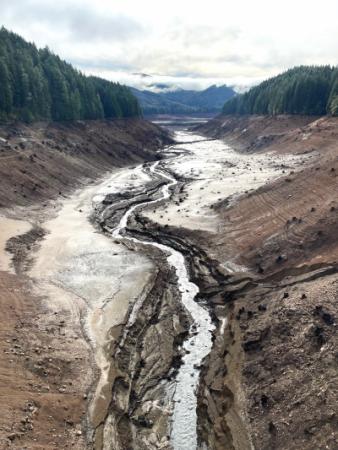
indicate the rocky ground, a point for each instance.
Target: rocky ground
{"x":279,"y":363}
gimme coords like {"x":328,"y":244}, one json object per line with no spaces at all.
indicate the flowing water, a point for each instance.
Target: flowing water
{"x":198,"y":345}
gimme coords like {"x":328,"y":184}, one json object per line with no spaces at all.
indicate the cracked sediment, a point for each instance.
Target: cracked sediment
{"x":183,"y":423}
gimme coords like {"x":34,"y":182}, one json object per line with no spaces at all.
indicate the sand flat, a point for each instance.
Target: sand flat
{"x":88,"y":275}
{"x":216,"y":172}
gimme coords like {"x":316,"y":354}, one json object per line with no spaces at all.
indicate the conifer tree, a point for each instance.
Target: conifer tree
{"x":308,"y":90}
{"x":38,"y":85}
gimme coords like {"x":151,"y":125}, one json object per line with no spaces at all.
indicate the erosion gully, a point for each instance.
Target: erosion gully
{"x":183,"y":426}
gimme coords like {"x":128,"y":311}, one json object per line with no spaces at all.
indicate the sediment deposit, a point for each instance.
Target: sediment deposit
{"x":95,"y":324}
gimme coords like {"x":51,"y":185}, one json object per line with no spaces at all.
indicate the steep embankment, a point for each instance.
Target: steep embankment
{"x":294,"y":216}
{"x":47,"y":365}
{"x":41,"y":161}
{"x":279,"y":349}
{"x":256,"y":132}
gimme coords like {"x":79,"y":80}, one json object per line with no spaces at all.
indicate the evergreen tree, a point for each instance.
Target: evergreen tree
{"x":307,"y":90}
{"x":5,"y":90}
{"x":38,"y":85}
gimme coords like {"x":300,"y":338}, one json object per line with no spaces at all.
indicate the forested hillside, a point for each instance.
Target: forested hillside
{"x":183,"y":101}
{"x":37,"y":85}
{"x":208,"y":100}
{"x":306,"y":90}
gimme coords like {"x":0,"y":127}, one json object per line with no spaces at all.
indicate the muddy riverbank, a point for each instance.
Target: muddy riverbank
{"x":47,"y":363}
{"x":212,"y":277}
{"x":174,"y":424}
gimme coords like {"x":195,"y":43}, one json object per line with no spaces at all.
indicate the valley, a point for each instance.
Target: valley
{"x":154,"y":285}
{"x":168,"y":225}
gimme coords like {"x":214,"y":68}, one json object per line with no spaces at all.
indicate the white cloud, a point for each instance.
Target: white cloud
{"x":185,"y":42}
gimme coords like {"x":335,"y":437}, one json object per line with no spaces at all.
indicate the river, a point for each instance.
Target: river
{"x":105,"y":283}
{"x":212,"y":168}
{"x":197,"y":346}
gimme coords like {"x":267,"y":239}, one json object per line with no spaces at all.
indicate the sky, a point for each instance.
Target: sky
{"x":183,"y":43}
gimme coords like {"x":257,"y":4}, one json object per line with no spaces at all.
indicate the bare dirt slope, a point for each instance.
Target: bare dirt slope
{"x":277,"y":363}
{"x":295,"y":217}
{"x":262,"y":132}
{"x":40,"y":161}
{"x":42,"y":400}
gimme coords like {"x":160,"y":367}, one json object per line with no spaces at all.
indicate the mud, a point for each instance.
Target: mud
{"x":182,"y":394}
{"x":10,"y":229}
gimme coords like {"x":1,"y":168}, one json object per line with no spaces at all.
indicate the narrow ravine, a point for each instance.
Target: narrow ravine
{"x":183,"y":427}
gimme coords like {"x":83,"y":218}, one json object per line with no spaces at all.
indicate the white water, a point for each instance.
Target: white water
{"x":184,"y":419}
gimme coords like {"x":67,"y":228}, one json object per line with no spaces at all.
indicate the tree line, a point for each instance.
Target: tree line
{"x":305,"y":90}
{"x":36,"y":84}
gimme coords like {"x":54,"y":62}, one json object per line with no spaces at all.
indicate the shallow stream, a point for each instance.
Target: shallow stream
{"x":197,"y":346}
{"x":214,"y":172}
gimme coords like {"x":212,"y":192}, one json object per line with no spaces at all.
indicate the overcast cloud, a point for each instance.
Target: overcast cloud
{"x":182,"y":42}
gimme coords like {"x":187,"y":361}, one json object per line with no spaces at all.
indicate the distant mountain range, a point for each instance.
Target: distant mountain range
{"x":182,"y":101}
